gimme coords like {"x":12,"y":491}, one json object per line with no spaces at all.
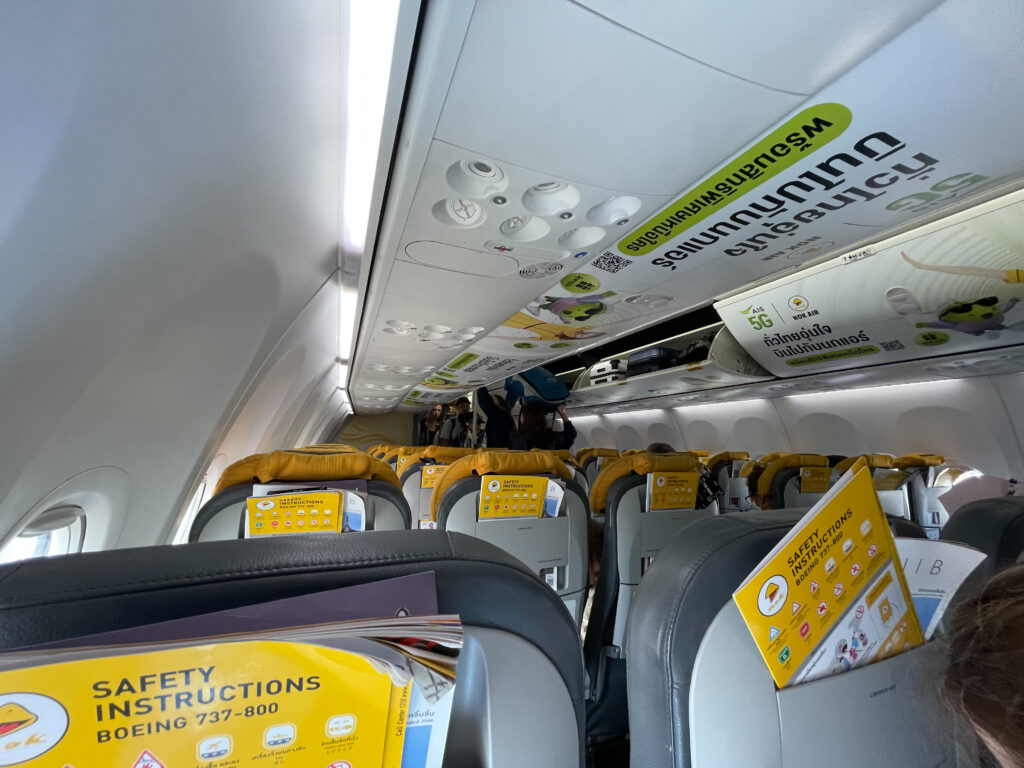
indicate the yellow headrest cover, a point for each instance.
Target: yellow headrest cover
{"x":306,"y":466}
{"x":332,"y":448}
{"x":446,"y":453}
{"x":561,"y":454}
{"x":768,"y":458}
{"x":585,"y":453}
{"x":390,"y":452}
{"x":764,"y":482}
{"x":875,"y":461}
{"x":728,"y":456}
{"x":497,"y":463}
{"x":641,"y":464}
{"x":748,"y":467}
{"x":919,"y":460}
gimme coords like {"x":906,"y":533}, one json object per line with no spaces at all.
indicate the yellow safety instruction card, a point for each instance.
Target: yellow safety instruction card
{"x":518,"y":496}
{"x":672,"y":490}
{"x":831,"y":595}
{"x":304,"y":512}
{"x":259,"y":703}
{"x":431,"y":474}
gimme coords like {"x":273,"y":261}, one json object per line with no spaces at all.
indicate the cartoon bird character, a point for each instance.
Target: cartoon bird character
{"x":14,"y":717}
{"x":542,"y":331}
{"x":576,"y":309}
{"x":977,"y":317}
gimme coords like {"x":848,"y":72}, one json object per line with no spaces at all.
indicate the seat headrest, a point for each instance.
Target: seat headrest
{"x":497,"y":463}
{"x":445,"y":453}
{"x":632,"y":451}
{"x":768,"y":458}
{"x":304,"y":465}
{"x":919,"y":460}
{"x":585,"y":453}
{"x":332,"y":448}
{"x":560,"y":454}
{"x":640,"y":464}
{"x":390,"y":452}
{"x":728,"y":456}
{"x":764,"y":483}
{"x":874,"y":460}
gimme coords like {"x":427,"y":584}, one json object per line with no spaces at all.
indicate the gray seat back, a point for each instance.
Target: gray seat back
{"x":555,"y":548}
{"x":520,"y":645}
{"x":995,"y":526}
{"x":416,"y":495}
{"x":695,"y":674}
{"x":633,"y":538}
{"x":223,"y":516}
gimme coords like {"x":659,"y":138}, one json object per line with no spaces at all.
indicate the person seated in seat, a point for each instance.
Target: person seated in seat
{"x":984,"y":677}
{"x":707,"y":486}
{"x":759,"y":501}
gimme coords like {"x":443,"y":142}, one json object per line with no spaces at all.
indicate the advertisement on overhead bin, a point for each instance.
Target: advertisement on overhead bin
{"x":954,"y":289}
{"x":861,"y":160}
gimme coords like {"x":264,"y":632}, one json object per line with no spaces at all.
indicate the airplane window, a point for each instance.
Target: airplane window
{"x":58,"y":531}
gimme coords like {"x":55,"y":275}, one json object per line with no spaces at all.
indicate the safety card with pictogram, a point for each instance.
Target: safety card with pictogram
{"x":831,"y":596}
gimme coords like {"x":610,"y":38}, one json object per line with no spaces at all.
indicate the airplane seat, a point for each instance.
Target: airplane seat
{"x":892,"y":493}
{"x":551,"y":540}
{"x":570,"y":461}
{"x":421,"y":474}
{"x":633,"y":537}
{"x":795,"y":480}
{"x":223,"y":515}
{"x":519,"y":644}
{"x":722,"y":468}
{"x":591,"y":460}
{"x":995,"y":526}
{"x":925,"y":507}
{"x":695,"y":674}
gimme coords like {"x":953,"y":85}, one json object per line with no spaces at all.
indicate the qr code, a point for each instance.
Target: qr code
{"x":609,"y":262}
{"x":892,"y":346}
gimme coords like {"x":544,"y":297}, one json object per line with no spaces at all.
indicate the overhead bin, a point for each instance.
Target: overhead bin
{"x":948,"y":288}
{"x":725,"y":365}
{"x":501,"y":250}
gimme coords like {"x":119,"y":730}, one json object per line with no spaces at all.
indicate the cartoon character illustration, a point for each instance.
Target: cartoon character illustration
{"x":576,"y":309}
{"x":14,"y":717}
{"x":538,"y":330}
{"x":977,"y":317}
{"x":843,"y":661}
{"x":1005,"y":275}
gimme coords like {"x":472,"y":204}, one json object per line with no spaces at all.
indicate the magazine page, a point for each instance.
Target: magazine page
{"x":831,"y":595}
{"x":934,"y":571}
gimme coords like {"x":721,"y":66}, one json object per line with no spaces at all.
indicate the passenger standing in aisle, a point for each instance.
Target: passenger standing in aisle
{"x":500,"y":426}
{"x":534,"y":431}
{"x":430,"y":429}
{"x":455,"y":430}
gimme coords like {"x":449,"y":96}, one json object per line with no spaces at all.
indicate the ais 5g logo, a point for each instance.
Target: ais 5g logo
{"x":757,"y":317}
{"x":30,"y":725}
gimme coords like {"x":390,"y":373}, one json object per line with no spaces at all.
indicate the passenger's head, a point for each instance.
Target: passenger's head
{"x":761,"y":501}
{"x":660,"y":448}
{"x":984,"y":680}
{"x":434,"y":416}
{"x":462,"y":405}
{"x":532,"y":417}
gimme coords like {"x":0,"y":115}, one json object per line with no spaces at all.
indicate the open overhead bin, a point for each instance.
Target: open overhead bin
{"x":948,"y":288}
{"x":721,"y":362}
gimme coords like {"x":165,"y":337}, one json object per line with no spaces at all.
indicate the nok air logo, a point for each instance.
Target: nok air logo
{"x":30,"y":725}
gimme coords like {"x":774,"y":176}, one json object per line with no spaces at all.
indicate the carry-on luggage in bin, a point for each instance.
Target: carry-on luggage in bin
{"x":610,"y":370}
{"x":537,"y":385}
{"x":653,"y":359}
